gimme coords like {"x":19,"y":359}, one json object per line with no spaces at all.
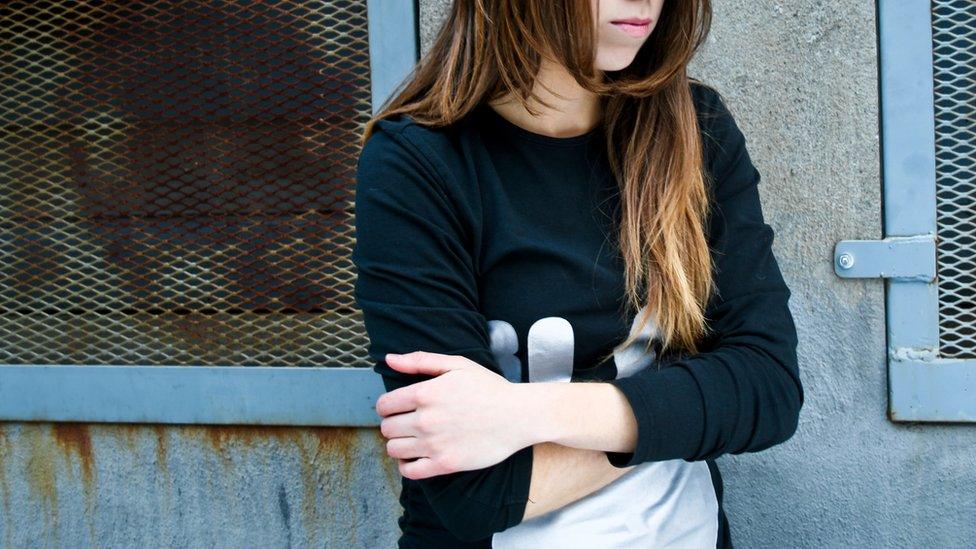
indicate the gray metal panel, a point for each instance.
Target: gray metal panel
{"x":933,"y":389}
{"x":261,"y":395}
{"x":903,"y":257}
{"x":393,"y":46}
{"x":940,"y":389}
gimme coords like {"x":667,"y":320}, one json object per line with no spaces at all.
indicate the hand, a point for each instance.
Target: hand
{"x":465,"y":418}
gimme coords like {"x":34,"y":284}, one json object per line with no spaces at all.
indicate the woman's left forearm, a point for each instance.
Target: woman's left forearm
{"x":585,"y":415}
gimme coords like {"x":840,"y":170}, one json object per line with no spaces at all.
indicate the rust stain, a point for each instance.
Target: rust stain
{"x":332,"y":442}
{"x":162,"y":459}
{"x":322,"y":450}
{"x":41,"y":474}
{"x":309,"y":503}
{"x":5,"y":452}
{"x":76,"y":438}
{"x":221,"y":436}
{"x":389,"y":464}
{"x":128,"y":433}
{"x":336,"y":441}
{"x":326,"y":454}
{"x":162,"y":446}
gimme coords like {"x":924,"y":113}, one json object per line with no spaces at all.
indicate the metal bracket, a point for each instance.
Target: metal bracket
{"x":902,"y":257}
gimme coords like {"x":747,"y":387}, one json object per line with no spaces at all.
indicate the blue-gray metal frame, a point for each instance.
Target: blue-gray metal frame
{"x":393,"y":45}
{"x":922,"y":386}
{"x":262,"y":395}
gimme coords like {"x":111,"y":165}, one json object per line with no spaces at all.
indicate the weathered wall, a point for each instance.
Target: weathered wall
{"x":76,"y":485}
{"x":801,"y":78}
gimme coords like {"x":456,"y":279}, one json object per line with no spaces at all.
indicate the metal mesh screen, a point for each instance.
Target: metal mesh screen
{"x":176,"y":181}
{"x":954,"y":50}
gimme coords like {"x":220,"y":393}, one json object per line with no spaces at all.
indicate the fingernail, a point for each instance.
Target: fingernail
{"x":392,"y":355}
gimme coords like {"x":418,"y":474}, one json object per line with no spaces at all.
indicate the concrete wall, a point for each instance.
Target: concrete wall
{"x":802,"y":79}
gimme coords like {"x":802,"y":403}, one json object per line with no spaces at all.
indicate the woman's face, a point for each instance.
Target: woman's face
{"x":618,"y":41}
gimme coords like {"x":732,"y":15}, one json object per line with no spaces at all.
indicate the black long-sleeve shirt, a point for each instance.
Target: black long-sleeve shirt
{"x":489,"y":241}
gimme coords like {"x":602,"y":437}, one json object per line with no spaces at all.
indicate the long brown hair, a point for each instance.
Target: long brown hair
{"x":489,"y":48}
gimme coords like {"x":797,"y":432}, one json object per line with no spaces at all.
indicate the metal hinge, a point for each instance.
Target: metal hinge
{"x":901,"y":257}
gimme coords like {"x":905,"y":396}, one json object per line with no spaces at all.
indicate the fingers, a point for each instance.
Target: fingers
{"x":422,"y":362}
{"x":399,"y":425}
{"x":406,"y":399}
{"x":420,"y":468}
{"x":405,"y":448}
{"x":398,"y":401}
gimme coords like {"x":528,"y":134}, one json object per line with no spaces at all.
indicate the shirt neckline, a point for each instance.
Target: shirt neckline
{"x":509,"y":128}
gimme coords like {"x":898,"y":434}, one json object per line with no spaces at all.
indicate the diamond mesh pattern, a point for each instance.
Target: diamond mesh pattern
{"x":954,"y":44}
{"x":176,"y":181}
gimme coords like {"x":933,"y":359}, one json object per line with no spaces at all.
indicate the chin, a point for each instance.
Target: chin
{"x":615,"y":62}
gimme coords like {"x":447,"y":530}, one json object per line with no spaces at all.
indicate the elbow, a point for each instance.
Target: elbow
{"x":791,"y":417}
{"x":790,"y":403}
{"x":776,"y":418}
{"x":473,"y":505}
{"x":461,"y":523}
{"x":474,"y":521}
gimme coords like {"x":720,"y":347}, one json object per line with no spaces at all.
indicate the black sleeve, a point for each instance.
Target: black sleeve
{"x":416,"y":286}
{"x":742,"y":392}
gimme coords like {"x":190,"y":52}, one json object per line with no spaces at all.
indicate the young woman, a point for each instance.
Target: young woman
{"x":559,"y":234}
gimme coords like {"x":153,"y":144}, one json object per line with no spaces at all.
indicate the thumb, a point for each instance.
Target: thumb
{"x":422,"y":362}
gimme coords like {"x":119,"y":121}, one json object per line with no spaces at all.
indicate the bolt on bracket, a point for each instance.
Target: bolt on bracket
{"x":910,"y":258}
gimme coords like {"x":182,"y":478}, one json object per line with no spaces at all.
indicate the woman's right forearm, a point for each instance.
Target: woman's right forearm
{"x":562,"y":475}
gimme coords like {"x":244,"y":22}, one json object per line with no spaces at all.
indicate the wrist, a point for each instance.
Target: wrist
{"x":582,"y":415}
{"x":541,"y":415}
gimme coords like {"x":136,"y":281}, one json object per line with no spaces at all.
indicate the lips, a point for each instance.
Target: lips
{"x":632,"y":21}
{"x":637,"y":28}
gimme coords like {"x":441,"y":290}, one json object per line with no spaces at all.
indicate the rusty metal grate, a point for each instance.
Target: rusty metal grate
{"x":176,"y":181}
{"x":954,"y":63}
